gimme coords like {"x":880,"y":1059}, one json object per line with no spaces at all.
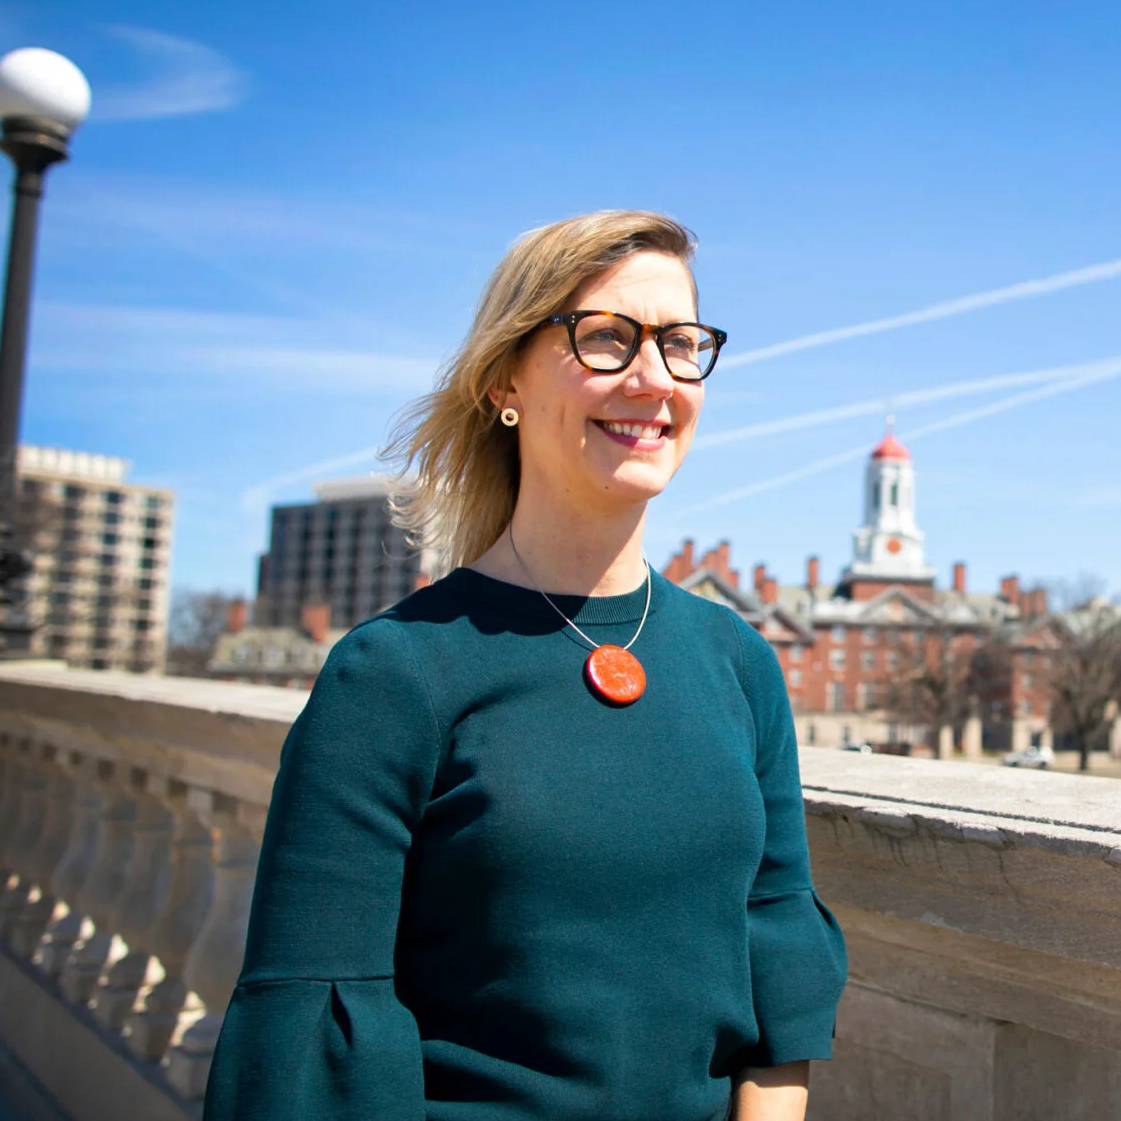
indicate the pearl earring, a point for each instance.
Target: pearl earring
{"x":509,"y":417}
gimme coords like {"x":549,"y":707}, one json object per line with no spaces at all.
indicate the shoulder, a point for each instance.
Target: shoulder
{"x":755,"y":660}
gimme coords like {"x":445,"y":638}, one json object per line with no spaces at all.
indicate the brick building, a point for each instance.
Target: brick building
{"x":842,"y":646}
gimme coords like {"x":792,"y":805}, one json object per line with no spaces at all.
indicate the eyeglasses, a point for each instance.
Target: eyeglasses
{"x":607,"y":341}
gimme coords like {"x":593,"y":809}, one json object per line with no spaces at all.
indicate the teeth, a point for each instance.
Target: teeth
{"x":637,"y":431}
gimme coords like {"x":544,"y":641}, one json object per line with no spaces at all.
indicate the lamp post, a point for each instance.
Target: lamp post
{"x":43,"y":98}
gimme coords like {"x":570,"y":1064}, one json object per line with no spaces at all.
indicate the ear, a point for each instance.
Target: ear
{"x":501,"y":398}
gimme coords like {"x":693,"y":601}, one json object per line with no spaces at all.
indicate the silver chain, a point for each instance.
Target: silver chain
{"x":590,"y":641}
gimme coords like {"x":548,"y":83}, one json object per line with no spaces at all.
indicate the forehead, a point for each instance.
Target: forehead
{"x":647,"y":284}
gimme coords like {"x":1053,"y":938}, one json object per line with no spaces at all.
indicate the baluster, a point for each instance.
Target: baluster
{"x":10,"y":777}
{"x":215,"y":959}
{"x":189,"y":897}
{"x":99,"y":894}
{"x":139,"y":903}
{"x":57,"y":825}
{"x":21,"y":837}
{"x":75,"y":866}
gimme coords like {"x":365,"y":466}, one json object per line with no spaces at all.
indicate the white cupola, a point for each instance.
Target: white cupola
{"x":889,"y":545}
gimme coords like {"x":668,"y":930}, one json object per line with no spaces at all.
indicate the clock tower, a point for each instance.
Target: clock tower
{"x":888,"y":547}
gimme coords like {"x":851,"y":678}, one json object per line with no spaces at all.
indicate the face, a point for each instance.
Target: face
{"x":607,"y":440}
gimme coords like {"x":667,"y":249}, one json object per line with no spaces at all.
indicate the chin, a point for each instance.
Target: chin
{"x":635,"y":482}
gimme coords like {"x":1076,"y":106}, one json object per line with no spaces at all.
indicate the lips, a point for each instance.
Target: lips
{"x":635,"y":430}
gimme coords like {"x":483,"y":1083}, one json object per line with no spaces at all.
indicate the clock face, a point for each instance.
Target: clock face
{"x":894,"y":545}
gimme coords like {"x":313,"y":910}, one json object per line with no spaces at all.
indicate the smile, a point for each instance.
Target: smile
{"x":634,"y":431}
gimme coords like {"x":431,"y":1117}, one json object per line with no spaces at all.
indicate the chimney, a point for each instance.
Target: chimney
{"x":959,"y":577}
{"x":315,"y":621}
{"x":1010,"y":590}
{"x":813,"y":572}
{"x":769,"y":593}
{"x":686,"y":556}
{"x":237,"y":616}
{"x":723,"y":555}
{"x":760,"y":578}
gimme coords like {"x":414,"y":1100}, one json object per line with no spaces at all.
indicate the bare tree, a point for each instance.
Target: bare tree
{"x":197,"y":620}
{"x":1085,"y":674}
{"x":935,"y":679}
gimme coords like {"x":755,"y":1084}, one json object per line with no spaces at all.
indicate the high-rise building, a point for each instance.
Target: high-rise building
{"x":342,"y":551}
{"x":99,"y":589}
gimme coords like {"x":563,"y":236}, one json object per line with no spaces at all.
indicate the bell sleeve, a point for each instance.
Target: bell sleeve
{"x":314,"y":1029}
{"x":797,"y":951}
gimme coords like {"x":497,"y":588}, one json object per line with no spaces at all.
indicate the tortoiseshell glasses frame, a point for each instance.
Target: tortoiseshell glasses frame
{"x":710,"y":341}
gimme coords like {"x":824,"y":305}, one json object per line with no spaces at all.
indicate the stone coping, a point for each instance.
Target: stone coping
{"x":245,"y":724}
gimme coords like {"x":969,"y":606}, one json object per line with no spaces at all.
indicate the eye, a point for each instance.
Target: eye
{"x":681,"y":342}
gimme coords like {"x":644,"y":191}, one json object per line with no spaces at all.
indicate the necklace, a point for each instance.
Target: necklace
{"x":613,"y":672}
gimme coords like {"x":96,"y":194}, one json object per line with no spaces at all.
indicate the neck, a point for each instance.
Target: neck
{"x":568,"y":552}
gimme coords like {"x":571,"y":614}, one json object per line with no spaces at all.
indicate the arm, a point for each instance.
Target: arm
{"x":797,"y":951}
{"x":771,"y":1093}
{"x":314,"y":1028}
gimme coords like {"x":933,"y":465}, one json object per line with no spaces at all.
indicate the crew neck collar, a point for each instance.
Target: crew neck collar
{"x":582,"y":610}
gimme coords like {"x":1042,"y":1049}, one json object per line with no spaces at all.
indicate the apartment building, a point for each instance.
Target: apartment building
{"x":99,"y":589}
{"x":342,"y":551}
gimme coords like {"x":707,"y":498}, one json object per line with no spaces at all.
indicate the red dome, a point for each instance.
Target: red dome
{"x":890,"y":448}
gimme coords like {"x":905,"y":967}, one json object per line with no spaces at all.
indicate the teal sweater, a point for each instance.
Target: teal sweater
{"x":486,"y":895}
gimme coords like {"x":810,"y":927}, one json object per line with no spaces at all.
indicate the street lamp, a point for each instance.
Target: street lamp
{"x":43,"y":98}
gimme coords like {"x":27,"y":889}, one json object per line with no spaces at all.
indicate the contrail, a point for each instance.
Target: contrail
{"x":1105,"y":370}
{"x":258,"y":495}
{"x":1107,"y":270}
{"x":877,"y":404}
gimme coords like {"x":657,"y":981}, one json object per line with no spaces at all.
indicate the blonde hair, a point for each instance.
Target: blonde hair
{"x":464,"y":465}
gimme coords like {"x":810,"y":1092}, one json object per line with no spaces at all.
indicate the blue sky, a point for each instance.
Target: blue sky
{"x":278,"y":217}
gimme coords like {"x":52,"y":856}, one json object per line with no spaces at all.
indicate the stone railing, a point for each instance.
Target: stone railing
{"x":982,"y":908}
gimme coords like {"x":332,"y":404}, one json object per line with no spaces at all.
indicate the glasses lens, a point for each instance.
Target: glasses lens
{"x":690,"y":350}
{"x":604,"y":342}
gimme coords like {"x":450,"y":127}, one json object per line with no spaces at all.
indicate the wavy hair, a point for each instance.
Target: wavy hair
{"x":463,"y":465}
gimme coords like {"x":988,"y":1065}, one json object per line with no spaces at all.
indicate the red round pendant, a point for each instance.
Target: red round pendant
{"x":615,"y":674}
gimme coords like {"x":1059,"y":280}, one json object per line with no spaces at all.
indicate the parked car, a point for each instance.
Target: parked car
{"x":1039,"y":758}
{"x":863,"y":748}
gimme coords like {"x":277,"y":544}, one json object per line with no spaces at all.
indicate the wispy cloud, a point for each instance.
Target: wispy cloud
{"x":1091,"y":374}
{"x":154,"y":344}
{"x":1107,"y":496}
{"x":1092,"y":274}
{"x":838,"y":413}
{"x":187,"y":78}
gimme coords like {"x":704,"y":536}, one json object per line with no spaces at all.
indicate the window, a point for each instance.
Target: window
{"x":114,"y":497}
{"x":797,"y":652}
{"x":1025,"y":682}
{"x":151,"y":523}
{"x":836,"y":696}
{"x":109,"y":539}
{"x":149,"y":543}
{"x":147,"y":563}
{"x":144,"y":584}
{"x":871,"y":634}
{"x":868,"y":659}
{"x":73,"y":493}
{"x":152,"y":502}
{"x":892,"y":660}
{"x":794,"y":676}
{"x":811,"y":734}
{"x":112,"y":517}
{"x":107,"y":560}
{"x":863,"y":696}
{"x":876,"y":496}
{"x":836,"y":659}
{"x":895,"y":494}
{"x":140,"y":625}
{"x":838,"y":634}
{"x":1027,"y":661}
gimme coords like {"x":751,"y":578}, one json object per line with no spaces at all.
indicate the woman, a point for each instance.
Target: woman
{"x":514,"y":870}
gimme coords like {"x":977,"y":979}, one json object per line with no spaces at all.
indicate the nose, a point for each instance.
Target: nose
{"x":647,"y":373}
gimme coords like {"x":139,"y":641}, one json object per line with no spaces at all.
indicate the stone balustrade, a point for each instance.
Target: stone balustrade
{"x":982,"y":908}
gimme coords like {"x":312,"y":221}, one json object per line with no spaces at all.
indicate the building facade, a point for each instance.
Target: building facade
{"x":342,"y":550}
{"x":102,"y":546}
{"x":846,"y":649}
